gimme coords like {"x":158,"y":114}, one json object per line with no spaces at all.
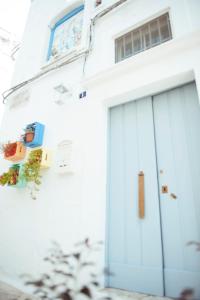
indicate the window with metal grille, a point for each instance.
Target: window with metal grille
{"x":144,"y":37}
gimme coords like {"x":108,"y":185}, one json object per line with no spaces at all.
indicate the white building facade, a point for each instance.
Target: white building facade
{"x":7,"y":44}
{"x":98,"y":74}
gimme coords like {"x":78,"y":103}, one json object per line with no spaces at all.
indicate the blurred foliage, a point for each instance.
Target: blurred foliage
{"x":71,"y":276}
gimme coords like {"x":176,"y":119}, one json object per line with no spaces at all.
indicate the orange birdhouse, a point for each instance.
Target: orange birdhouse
{"x":14,"y":151}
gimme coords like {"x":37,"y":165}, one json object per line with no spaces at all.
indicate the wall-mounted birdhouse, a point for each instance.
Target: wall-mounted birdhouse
{"x":14,"y":151}
{"x":64,"y":159}
{"x":16,"y":176}
{"x":34,"y":134}
{"x":46,"y":159}
{"x":41,"y":155}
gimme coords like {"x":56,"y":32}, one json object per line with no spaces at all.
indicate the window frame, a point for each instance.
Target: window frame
{"x":139,"y":26}
{"x":69,"y":15}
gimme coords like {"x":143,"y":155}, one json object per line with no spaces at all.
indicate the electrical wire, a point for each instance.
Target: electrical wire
{"x":108,"y":9}
{"x":85,"y":53}
{"x":9,"y":92}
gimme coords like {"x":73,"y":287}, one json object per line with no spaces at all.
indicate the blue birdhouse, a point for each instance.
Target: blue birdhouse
{"x":34,"y":134}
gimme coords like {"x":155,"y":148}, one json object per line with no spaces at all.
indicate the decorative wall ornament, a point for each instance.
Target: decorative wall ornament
{"x":67,"y":33}
{"x":34,"y":134}
{"x":14,"y":151}
{"x":29,"y":173}
{"x":14,"y":177}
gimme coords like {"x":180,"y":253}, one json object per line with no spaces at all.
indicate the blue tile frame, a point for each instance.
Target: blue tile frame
{"x":61,"y":21}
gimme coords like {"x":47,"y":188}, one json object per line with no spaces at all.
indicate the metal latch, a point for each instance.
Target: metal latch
{"x":164,"y":189}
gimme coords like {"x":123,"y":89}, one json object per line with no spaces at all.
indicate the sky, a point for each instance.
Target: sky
{"x":13,"y":16}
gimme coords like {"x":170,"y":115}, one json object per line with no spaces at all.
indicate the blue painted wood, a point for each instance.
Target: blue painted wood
{"x":61,"y":21}
{"x":134,"y":245}
{"x":50,"y":43}
{"x":177,"y":127}
{"x":38,"y":135}
{"x":159,"y":136}
{"x":69,"y":15}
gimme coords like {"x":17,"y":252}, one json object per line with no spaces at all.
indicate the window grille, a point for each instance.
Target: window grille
{"x":144,"y":37}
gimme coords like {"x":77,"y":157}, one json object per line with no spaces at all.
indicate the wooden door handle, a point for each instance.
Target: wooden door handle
{"x":141,"y":204}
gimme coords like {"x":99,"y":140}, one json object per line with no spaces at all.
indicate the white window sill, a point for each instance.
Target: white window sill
{"x":59,"y":59}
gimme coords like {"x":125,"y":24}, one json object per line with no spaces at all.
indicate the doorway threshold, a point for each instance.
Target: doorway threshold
{"x":118,"y":294}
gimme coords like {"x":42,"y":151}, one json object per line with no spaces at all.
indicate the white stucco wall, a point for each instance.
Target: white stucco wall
{"x":72,"y":207}
{"x":6,"y":68}
{"x":7,"y":43}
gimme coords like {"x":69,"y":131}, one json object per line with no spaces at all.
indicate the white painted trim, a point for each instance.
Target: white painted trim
{"x":143,"y":22}
{"x":151,"y":89}
{"x":169,"y":48}
{"x":60,"y":58}
{"x":72,"y":5}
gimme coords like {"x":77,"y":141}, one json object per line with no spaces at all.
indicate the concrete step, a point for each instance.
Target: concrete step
{"x":117,"y":294}
{"x":8,"y":292}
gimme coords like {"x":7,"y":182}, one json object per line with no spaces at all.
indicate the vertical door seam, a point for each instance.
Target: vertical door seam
{"x":158,"y":184}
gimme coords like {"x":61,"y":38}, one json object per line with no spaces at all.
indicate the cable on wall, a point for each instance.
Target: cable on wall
{"x":10,"y":91}
{"x":85,"y":53}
